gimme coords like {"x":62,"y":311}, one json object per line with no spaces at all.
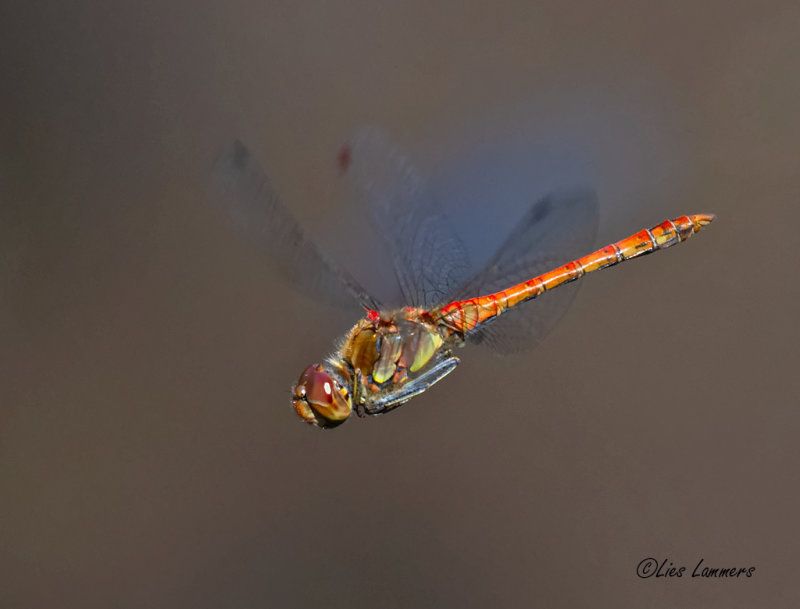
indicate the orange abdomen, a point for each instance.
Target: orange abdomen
{"x":464,"y":315}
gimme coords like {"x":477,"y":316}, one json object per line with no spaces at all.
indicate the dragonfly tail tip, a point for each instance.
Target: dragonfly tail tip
{"x":701,"y":220}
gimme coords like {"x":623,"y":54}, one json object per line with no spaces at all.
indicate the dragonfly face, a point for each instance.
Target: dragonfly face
{"x":320,"y":399}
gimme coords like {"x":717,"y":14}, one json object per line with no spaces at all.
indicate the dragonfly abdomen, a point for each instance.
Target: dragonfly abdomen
{"x":464,"y":315}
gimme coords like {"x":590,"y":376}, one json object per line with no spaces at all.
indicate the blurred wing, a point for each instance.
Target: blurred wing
{"x":244,"y":192}
{"x":429,"y":260}
{"x":556,"y":229}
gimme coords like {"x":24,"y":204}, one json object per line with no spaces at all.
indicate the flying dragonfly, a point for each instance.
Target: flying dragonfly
{"x":396,"y":352}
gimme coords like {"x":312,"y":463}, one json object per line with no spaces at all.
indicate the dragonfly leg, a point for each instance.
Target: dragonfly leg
{"x":414,"y":387}
{"x":358,"y":397}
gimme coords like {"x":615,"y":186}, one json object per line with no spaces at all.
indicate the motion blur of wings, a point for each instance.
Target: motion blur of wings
{"x":244,"y":192}
{"x":429,"y":260}
{"x":532,"y":202}
{"x":432,"y":262}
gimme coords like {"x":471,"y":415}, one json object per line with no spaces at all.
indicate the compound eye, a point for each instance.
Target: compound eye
{"x":319,"y":399}
{"x":320,"y":389}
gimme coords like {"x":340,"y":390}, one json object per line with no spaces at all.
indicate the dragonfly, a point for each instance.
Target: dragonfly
{"x":400,"y":350}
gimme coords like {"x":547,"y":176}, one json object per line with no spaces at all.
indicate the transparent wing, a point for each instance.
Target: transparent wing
{"x":556,"y":229}
{"x":244,"y":192}
{"x":428,"y":259}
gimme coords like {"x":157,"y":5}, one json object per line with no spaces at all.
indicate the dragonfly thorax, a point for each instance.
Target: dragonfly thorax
{"x":388,"y":352}
{"x":380,"y":361}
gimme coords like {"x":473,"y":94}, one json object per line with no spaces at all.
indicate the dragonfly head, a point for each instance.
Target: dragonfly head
{"x":321,"y":399}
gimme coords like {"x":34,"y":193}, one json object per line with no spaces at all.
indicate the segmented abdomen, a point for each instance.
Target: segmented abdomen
{"x":462,"y":316}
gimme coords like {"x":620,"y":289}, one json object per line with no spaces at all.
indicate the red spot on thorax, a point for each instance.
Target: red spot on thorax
{"x":373,"y":316}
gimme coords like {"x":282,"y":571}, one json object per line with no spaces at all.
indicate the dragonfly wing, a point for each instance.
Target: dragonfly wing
{"x":429,"y":260}
{"x":255,"y":209}
{"x":556,"y":229}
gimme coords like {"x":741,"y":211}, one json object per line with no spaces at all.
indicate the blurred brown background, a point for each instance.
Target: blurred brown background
{"x":148,"y":454}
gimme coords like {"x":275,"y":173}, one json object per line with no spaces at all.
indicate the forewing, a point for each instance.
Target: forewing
{"x":428,"y":259}
{"x":556,"y":229}
{"x":244,"y":192}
